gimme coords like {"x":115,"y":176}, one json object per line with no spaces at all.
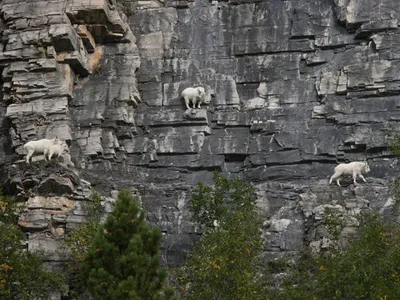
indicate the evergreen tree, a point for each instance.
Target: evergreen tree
{"x":224,"y":263}
{"x":123,"y":262}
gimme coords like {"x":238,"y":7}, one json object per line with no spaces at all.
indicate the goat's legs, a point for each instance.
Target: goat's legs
{"x":362,"y":177}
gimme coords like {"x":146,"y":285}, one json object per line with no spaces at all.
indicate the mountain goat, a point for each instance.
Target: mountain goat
{"x":194,"y":95}
{"x":355,"y":168}
{"x":56,"y":149}
{"x":46,"y":147}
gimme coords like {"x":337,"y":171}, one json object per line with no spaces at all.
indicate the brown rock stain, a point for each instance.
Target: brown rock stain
{"x":95,"y":58}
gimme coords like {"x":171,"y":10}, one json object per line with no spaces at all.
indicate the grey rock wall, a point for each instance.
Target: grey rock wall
{"x":49,"y":52}
{"x":298,"y":87}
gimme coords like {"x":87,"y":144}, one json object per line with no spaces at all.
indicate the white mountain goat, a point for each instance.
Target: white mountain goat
{"x":56,"y":149}
{"x":194,"y":95}
{"x":46,"y":147}
{"x":355,"y":168}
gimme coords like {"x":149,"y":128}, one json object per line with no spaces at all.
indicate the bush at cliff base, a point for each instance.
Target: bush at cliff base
{"x":22,"y":275}
{"x":224,"y":263}
{"x":123,"y":262}
{"x":79,"y":241}
{"x":368,"y":269}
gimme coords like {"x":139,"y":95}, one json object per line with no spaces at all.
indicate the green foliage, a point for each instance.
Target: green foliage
{"x":79,"y":241}
{"x":396,"y":192}
{"x":81,"y":238}
{"x":369,"y":269}
{"x":289,"y":270}
{"x":224,"y":263}
{"x":393,"y":139}
{"x":40,"y":46}
{"x":93,"y":207}
{"x":218,"y":202}
{"x":22,"y":275}
{"x":123,"y":262}
{"x":334,"y":222}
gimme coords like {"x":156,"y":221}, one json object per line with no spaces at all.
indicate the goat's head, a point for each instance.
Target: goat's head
{"x":366,"y":167}
{"x":65,"y":146}
{"x":56,"y":141}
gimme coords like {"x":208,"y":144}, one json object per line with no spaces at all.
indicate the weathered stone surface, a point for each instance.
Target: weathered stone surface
{"x":55,"y":183}
{"x":298,"y":87}
{"x":47,"y":243}
{"x":51,"y":203}
{"x":288,"y":104}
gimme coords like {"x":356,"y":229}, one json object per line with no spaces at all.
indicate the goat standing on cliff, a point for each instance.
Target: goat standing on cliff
{"x":46,"y":147}
{"x":196,"y":96}
{"x":355,"y":168}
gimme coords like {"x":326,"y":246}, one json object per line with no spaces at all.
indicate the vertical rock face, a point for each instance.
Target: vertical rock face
{"x":296,"y":86}
{"x":50,"y":50}
{"x":299,"y":86}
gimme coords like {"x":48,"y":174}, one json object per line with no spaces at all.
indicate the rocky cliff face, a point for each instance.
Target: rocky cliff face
{"x":298,"y":87}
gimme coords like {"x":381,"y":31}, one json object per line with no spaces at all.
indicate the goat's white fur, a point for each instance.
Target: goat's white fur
{"x":355,"y":168}
{"x":46,"y":147}
{"x":56,"y":149}
{"x":194,"y":95}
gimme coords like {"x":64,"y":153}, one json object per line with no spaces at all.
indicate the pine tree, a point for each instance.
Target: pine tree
{"x":124,"y":262}
{"x":225,"y":261}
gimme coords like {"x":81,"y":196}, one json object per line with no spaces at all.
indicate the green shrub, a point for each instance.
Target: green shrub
{"x":22,"y":275}
{"x":224,"y":263}
{"x":369,"y":269}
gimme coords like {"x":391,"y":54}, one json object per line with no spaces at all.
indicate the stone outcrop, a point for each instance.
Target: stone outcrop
{"x":50,"y":50}
{"x":298,"y":87}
